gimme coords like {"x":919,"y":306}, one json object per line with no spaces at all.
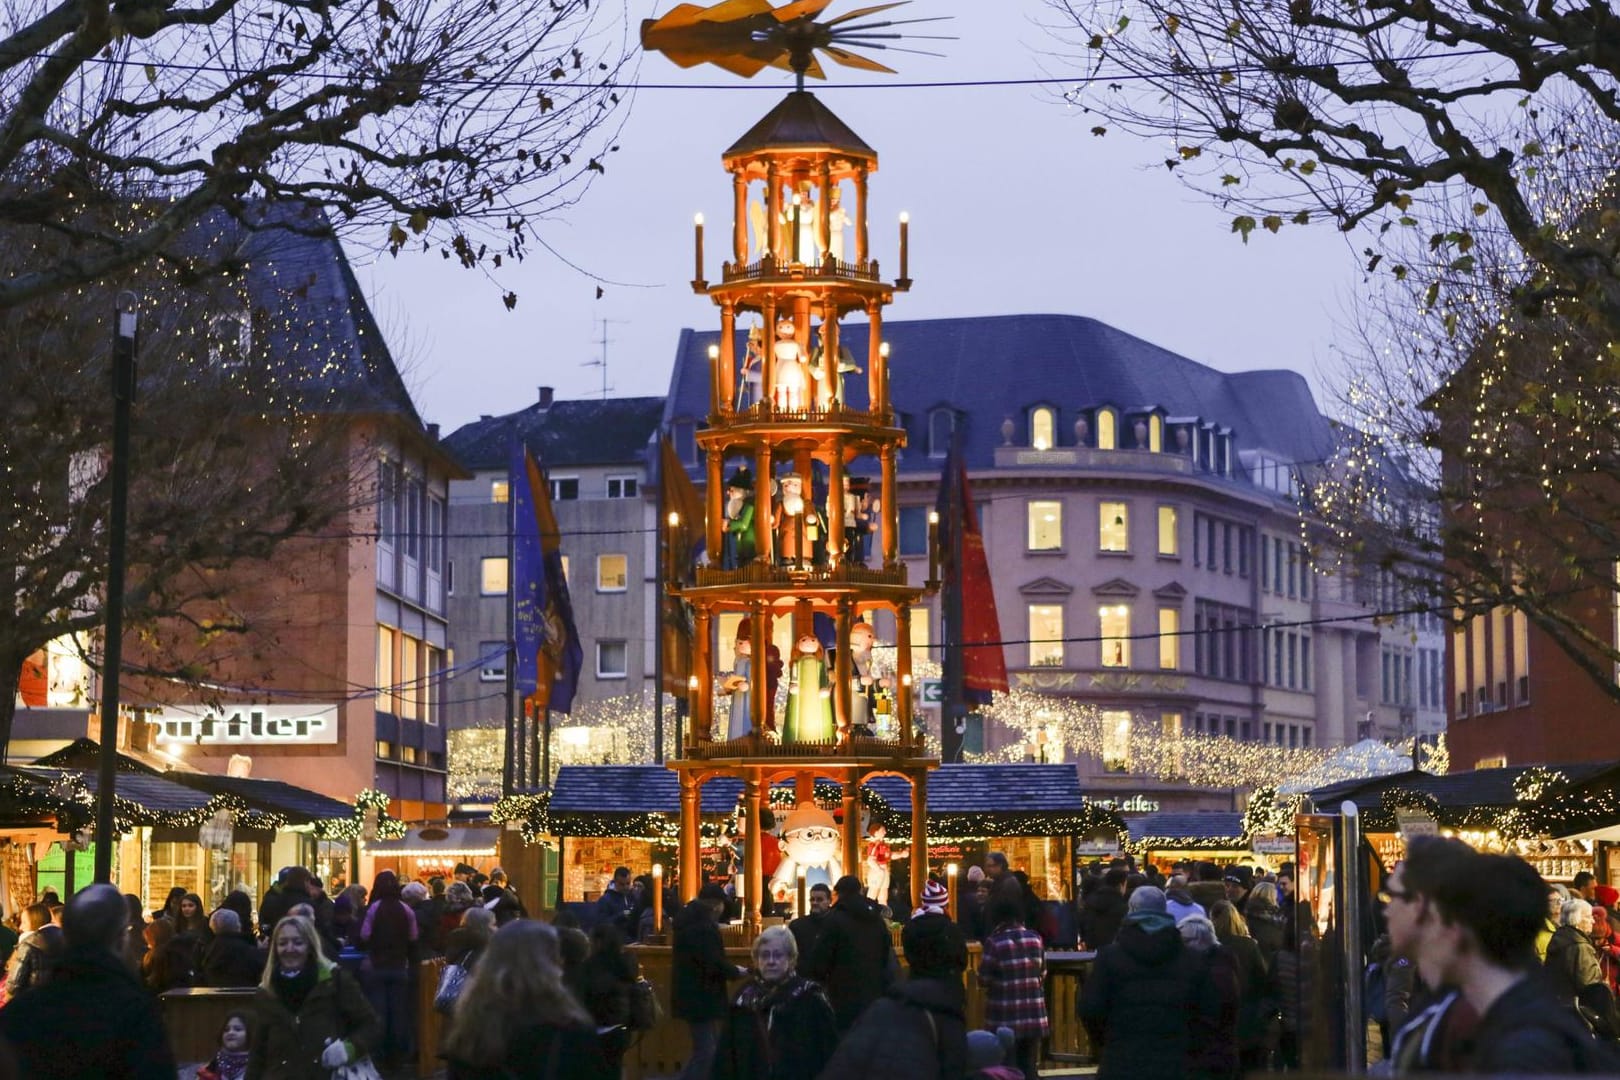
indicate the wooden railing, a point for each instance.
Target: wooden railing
{"x":828,"y":268}
{"x":760,"y":572}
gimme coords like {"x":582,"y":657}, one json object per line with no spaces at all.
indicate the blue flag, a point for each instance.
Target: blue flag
{"x":528,"y":577}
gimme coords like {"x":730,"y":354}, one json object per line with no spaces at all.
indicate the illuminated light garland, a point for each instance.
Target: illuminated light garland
{"x":352,"y":828}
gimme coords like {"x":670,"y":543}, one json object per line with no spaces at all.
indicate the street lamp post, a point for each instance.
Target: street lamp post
{"x":123,"y":389}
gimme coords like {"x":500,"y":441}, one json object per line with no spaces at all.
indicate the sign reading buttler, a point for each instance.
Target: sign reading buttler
{"x":252,"y":725}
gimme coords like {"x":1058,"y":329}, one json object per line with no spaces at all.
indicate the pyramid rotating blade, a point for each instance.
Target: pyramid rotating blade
{"x":858,"y":12}
{"x":798,"y":9}
{"x":849,"y":59}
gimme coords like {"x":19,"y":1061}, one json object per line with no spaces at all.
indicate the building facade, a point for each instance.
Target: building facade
{"x":342,"y":688}
{"x":595,"y":454}
{"x":1143,"y":523}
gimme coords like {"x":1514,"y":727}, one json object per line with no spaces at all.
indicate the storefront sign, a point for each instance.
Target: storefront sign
{"x":1415,"y":823}
{"x":233,"y":725}
{"x":1135,"y":804}
{"x":1274,"y":845}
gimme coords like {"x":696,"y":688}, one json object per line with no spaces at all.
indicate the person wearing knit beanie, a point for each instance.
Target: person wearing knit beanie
{"x":935,"y":898}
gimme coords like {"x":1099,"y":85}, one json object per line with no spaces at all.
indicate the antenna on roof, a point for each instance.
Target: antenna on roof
{"x":602,"y":360}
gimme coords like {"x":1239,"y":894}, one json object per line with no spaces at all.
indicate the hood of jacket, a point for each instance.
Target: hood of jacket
{"x":1150,"y":938}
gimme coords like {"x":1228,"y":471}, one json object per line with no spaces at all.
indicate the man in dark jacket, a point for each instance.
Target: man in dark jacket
{"x":291,"y":888}
{"x":917,"y":1031}
{"x":1103,"y":910}
{"x":1469,"y":920}
{"x":617,"y":901}
{"x":1146,"y":995}
{"x":854,"y":960}
{"x":807,"y":928}
{"x":698,"y":993}
{"x":93,"y":1019}
{"x":230,"y":959}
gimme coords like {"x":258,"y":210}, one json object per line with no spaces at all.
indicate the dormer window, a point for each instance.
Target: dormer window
{"x":1156,"y":433}
{"x":941,"y":424}
{"x":1107,"y":429}
{"x":1042,"y":428}
{"x":230,"y":338}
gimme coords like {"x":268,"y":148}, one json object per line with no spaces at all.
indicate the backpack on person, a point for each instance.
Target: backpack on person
{"x":645,"y":1011}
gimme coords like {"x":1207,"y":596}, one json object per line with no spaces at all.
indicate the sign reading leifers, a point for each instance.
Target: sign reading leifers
{"x":261,"y":725}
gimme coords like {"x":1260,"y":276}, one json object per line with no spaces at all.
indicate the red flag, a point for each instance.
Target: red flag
{"x":984,"y":665}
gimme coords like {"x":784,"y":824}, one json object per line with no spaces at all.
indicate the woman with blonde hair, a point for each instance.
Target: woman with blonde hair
{"x":781,"y":1025}
{"x":311,"y":1015}
{"x":516,"y":1020}
{"x":1257,"y":993}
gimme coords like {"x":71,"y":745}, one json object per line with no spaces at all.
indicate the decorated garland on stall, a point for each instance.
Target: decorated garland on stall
{"x":351,"y":828}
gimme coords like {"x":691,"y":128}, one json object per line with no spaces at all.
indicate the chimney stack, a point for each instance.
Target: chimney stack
{"x":545,"y":397}
{"x":433,"y":432}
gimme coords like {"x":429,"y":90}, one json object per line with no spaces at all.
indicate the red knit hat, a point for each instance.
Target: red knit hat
{"x":1607,"y":895}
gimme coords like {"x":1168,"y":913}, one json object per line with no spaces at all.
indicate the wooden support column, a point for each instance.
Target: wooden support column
{"x":764,"y":535}
{"x":758,"y":701}
{"x":739,"y":219}
{"x":691,"y":867}
{"x":824,"y":211}
{"x":700,"y":724}
{"x":919,"y":834}
{"x":829,"y":342}
{"x":890,"y":514}
{"x":714,"y":495}
{"x":852,"y":823}
{"x":754,"y":857}
{"x":879,"y":362}
{"x":861,"y":248}
{"x":902,"y":672}
{"x":773,"y":210}
{"x":727,"y":364}
{"x":804,"y":787}
{"x":767,"y":362}
{"x":835,"y":502}
{"x":843,"y":671}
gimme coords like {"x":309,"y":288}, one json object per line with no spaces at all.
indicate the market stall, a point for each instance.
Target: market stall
{"x":1561,"y":819}
{"x":1172,"y":836}
{"x":427,"y":851}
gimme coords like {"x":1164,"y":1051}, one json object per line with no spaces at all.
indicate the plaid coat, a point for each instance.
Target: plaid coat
{"x":1011,"y":969}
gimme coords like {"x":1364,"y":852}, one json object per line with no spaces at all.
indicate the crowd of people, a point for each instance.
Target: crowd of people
{"x":1484,"y":968}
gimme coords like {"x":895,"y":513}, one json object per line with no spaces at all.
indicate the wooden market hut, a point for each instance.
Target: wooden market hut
{"x":1562,"y":819}
{"x":1170,"y":836}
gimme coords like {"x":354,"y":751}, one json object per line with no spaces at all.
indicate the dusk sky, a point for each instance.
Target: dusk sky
{"x":1015,"y":207}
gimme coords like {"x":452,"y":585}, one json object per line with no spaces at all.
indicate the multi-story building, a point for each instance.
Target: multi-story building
{"x":595,"y":454}
{"x":344,"y":690}
{"x":1142,"y":519}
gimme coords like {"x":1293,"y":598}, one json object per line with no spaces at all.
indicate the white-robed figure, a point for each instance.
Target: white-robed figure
{"x":790,"y":381}
{"x":810,"y":839}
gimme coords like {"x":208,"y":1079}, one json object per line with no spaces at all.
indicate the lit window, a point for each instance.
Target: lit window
{"x":385,"y":749}
{"x":612,"y":573}
{"x":1042,"y":423}
{"x":491,"y":661}
{"x":1116,"y":740}
{"x":564,"y":488}
{"x":387,"y":673}
{"x":1169,"y":543}
{"x":1045,"y":525}
{"x":1107,"y":430}
{"x":621,"y":487}
{"x":1045,"y":635}
{"x":1170,"y":724}
{"x":492,"y":575}
{"x":1113,"y":526}
{"x":1156,"y":433}
{"x":1115,"y":630}
{"x":499,"y":491}
{"x":611,"y":660}
{"x":1169,"y":638}
{"x":410,"y":755}
{"x":409,"y":692}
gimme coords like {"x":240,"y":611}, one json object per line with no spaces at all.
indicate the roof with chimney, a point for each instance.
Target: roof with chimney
{"x":595,"y":431}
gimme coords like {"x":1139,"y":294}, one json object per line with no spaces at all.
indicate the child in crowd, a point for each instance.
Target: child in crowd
{"x":231,"y":1060}
{"x":990,"y":1055}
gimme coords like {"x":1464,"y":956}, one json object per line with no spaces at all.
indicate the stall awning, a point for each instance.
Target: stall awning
{"x":962,"y":800}
{"x":453,"y":841}
{"x":1529,"y":800}
{"x":299,"y":806}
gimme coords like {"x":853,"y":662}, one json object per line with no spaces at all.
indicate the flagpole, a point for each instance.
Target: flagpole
{"x":953,"y":662}
{"x":658,"y":611}
{"x":508,"y":755}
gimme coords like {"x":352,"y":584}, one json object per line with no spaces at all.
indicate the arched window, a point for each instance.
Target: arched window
{"x":1042,"y":425}
{"x":941,"y":422}
{"x":1156,"y":433}
{"x":1107,"y":430}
